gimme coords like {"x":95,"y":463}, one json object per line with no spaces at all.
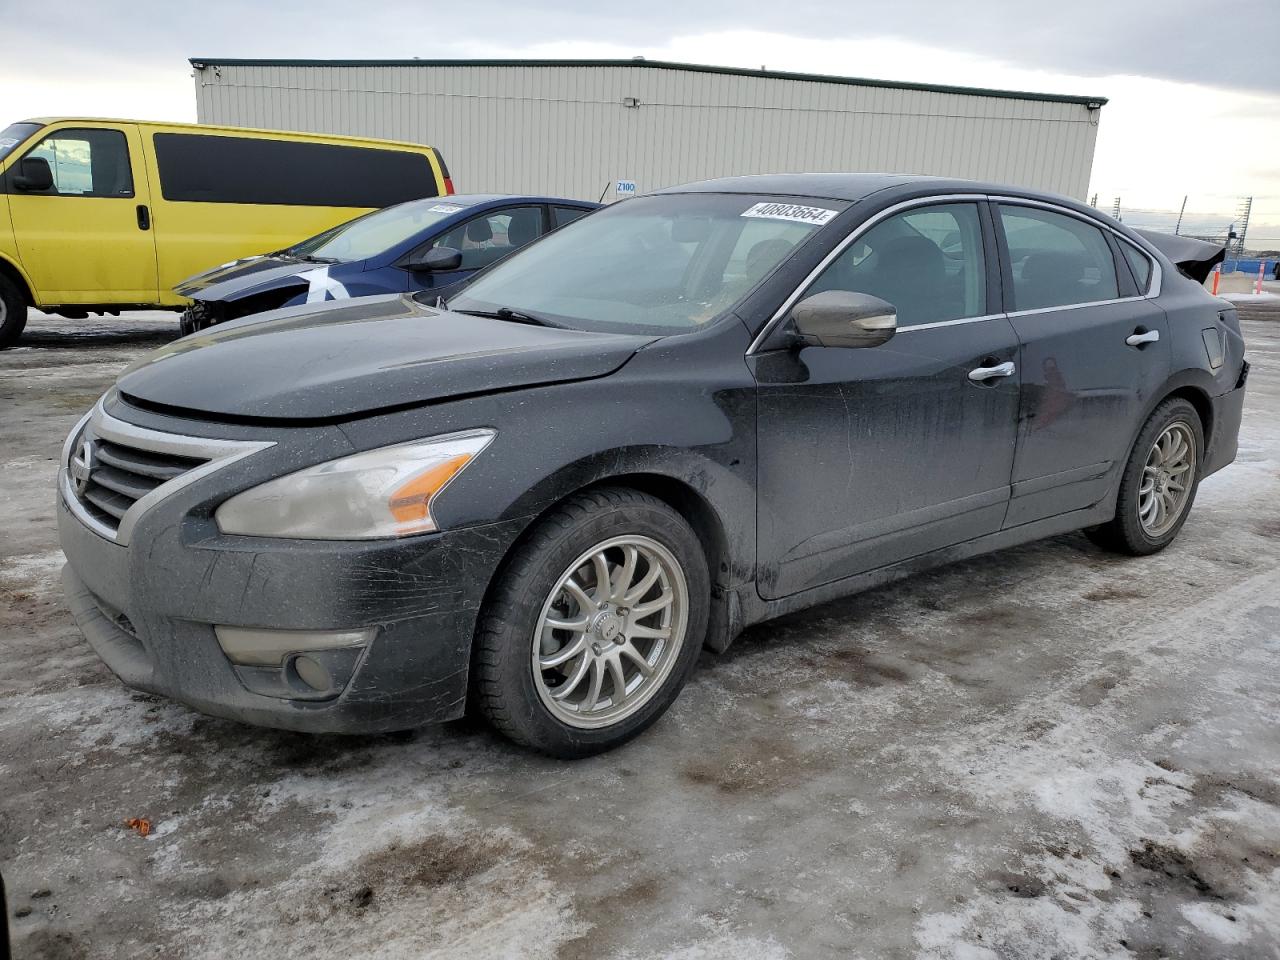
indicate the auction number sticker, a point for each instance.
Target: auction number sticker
{"x":790,"y":211}
{"x":443,"y":208}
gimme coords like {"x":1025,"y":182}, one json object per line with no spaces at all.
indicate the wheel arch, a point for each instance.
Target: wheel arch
{"x":11,"y":271}
{"x":1201,"y":400}
{"x":694,"y":506}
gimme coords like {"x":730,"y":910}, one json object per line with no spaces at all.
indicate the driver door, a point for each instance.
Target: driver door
{"x":867,"y":457}
{"x":88,"y":238}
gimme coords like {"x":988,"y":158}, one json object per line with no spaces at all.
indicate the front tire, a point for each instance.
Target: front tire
{"x":593,"y":625}
{"x":1159,"y":482}
{"x":13,"y":312}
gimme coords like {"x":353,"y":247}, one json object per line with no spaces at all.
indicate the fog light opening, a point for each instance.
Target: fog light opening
{"x":260,"y":647}
{"x":312,"y":673}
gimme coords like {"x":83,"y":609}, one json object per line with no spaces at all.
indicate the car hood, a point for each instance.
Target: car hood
{"x":241,"y":277}
{"x":349,"y":358}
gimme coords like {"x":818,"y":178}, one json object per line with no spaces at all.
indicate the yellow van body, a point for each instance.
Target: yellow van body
{"x":115,"y":233}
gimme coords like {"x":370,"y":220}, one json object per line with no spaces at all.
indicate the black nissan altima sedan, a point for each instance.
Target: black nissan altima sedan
{"x":684,"y":414}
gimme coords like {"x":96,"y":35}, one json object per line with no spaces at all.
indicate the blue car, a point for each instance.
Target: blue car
{"x":430,"y":245}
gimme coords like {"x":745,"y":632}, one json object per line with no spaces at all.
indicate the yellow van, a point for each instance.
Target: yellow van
{"x":105,"y":215}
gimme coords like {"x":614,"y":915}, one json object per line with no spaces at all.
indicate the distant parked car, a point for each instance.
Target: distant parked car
{"x":99,"y":216}
{"x":423,"y":245}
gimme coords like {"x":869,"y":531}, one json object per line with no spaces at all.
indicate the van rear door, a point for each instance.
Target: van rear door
{"x":87,"y":238}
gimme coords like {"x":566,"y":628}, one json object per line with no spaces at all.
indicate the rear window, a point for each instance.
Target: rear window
{"x":214,"y":169}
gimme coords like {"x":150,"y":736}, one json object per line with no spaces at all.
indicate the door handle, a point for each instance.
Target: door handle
{"x":983,"y":374}
{"x":1138,"y":338}
{"x":144,"y":217}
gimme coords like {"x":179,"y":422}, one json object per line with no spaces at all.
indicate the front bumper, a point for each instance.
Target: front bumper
{"x":149,"y":610}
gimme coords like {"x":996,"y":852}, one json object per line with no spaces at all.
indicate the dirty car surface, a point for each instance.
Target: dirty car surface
{"x":688,"y":413}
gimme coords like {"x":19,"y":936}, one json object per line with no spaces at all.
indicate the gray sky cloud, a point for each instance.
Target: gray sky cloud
{"x":1182,"y":40}
{"x":1194,"y":89}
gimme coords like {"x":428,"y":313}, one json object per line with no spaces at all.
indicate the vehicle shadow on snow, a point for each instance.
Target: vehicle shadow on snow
{"x":45,"y":331}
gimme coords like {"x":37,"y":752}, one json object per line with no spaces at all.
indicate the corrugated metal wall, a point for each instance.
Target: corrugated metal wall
{"x":564,"y":130}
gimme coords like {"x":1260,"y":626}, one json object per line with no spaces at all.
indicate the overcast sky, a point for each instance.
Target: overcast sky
{"x":1194,"y":88}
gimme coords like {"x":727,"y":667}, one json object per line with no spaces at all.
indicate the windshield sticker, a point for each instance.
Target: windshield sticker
{"x":790,"y":211}
{"x":443,"y":208}
{"x":322,"y":287}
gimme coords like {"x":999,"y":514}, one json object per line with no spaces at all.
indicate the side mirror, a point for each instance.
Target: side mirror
{"x":435,"y":259}
{"x":34,"y":174}
{"x":840,"y":318}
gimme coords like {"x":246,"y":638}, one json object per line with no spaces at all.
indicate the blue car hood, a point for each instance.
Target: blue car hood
{"x":348,"y":358}
{"x":240,"y":278}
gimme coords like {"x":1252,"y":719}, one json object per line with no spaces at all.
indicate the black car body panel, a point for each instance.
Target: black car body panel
{"x":807,"y":472}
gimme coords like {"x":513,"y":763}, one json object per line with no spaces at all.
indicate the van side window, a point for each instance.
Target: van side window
{"x":927,"y":261}
{"x":1057,"y":260}
{"x":212,"y":169}
{"x":488,"y":238}
{"x":86,"y":163}
{"x":1139,"y":263}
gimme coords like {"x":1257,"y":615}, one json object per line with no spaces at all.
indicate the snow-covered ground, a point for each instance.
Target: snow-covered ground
{"x":1048,"y":752}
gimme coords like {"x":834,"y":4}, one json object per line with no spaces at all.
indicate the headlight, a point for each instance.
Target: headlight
{"x":379,"y":493}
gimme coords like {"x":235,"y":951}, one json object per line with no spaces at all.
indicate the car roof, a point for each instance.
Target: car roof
{"x":854,"y":186}
{"x":475,"y":199}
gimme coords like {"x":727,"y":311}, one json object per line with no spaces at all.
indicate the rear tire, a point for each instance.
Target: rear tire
{"x":1159,"y":482}
{"x":13,"y":312}
{"x":624,"y":642}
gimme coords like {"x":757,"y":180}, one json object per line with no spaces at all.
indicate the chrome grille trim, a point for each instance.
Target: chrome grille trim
{"x":207,"y":455}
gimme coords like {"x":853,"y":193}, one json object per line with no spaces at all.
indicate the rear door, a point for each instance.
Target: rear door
{"x":1092,"y":352}
{"x":871,"y":456}
{"x":88,"y":238}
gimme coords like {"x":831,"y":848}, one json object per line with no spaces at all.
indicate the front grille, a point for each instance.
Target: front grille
{"x":113,"y":471}
{"x":109,"y":477}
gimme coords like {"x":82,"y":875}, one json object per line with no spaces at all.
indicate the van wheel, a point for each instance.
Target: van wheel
{"x":1159,"y":482}
{"x":13,"y":312}
{"x":593,"y":625}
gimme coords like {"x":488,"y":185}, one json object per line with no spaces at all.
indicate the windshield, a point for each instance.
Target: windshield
{"x":658,"y":264}
{"x":376,"y":232}
{"x":13,"y":135}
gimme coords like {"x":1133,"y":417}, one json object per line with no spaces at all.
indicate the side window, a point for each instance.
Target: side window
{"x":87,"y":163}
{"x":1139,"y":263}
{"x":489,"y":237}
{"x":201,"y":168}
{"x":928,"y":262}
{"x":1057,"y":260}
{"x":562,"y":215}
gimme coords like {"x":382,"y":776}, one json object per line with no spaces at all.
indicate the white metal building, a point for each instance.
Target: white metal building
{"x":576,"y":127}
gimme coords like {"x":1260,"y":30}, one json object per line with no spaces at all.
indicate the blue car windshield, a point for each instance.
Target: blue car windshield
{"x":376,"y":232}
{"x":666,"y":263}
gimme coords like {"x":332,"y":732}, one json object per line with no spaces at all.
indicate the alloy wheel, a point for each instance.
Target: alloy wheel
{"x":1167,"y":479}
{"x":610,"y":632}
